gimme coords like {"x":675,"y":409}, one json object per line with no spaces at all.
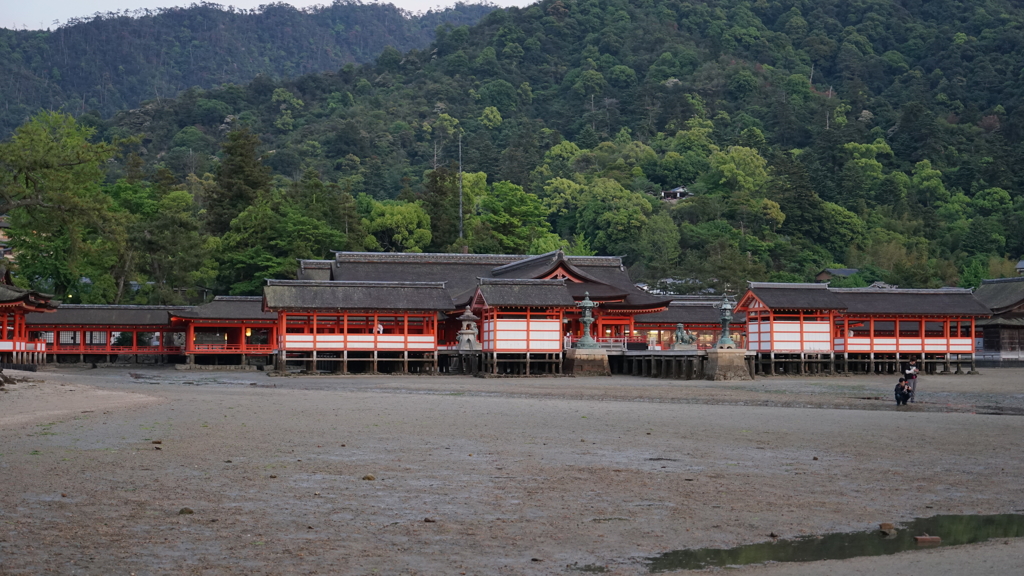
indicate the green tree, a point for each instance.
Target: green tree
{"x":840,"y":228}
{"x":927,"y":186}
{"x":659,"y":246}
{"x":240,"y":179}
{"x":266,"y":239}
{"x":50,"y":166}
{"x":611,"y":217}
{"x":514,"y":222}
{"x":61,"y":226}
{"x":738,"y":170}
{"x":397,"y":226}
{"x":491,"y":117}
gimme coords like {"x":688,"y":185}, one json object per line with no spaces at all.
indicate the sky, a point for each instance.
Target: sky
{"x":43,"y":14}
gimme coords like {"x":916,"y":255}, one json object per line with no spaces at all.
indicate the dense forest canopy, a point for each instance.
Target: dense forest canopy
{"x":881,"y":135}
{"x":113,"y":61}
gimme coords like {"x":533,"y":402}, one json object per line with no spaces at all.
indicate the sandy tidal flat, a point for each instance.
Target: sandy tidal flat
{"x":486,"y":476}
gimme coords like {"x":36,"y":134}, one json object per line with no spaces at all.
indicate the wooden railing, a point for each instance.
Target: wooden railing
{"x":112,"y":349}
{"x":239,"y":348}
{"x":611,"y":343}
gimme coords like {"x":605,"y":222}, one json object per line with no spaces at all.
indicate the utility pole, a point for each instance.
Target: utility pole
{"x":460,"y":185}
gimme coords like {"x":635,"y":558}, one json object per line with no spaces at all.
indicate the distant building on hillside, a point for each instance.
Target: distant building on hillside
{"x":5,"y":248}
{"x":829,"y":273}
{"x":677,"y":193}
{"x":1020,"y":268}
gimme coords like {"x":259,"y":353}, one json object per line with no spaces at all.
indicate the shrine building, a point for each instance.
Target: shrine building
{"x":370,"y":312}
{"x":699,"y":315}
{"x":402,"y":308}
{"x":1003,"y":333}
{"x":17,"y":344}
{"x":801,"y":328}
{"x":398,"y":312}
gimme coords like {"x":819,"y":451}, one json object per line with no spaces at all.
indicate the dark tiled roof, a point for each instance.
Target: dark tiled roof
{"x":106,"y":315}
{"x":545,"y":264}
{"x":229,"y":308}
{"x":908,"y":301}
{"x":356,"y":295}
{"x":689,"y":312}
{"x":597,"y":292}
{"x":10,"y":293}
{"x":315,"y":269}
{"x":1001,"y":294}
{"x":844,"y":272}
{"x":1007,"y":321}
{"x":513,"y":292}
{"x":458,"y":271}
{"x":777,"y":295}
{"x":461,"y":272}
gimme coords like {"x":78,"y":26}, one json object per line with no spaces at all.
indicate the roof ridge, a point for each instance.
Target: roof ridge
{"x":869,"y":290}
{"x":553,"y":255}
{"x":354,"y":284}
{"x":610,"y":261}
{"x":814,"y":285}
{"x":1003,"y":280}
{"x":456,"y":258}
{"x":236,"y":299}
{"x":121,"y":307}
{"x":521,"y":281}
{"x":340,"y":256}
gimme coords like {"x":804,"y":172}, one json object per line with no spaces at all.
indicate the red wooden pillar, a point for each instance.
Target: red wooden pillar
{"x":801,"y":317}
{"x":871,"y":334}
{"x":973,"y":347}
{"x":282,"y":320}
{"x":344,"y":329}
{"x":313,"y":326}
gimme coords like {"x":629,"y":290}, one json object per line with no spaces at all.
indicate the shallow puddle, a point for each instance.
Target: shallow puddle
{"x":953,"y":529}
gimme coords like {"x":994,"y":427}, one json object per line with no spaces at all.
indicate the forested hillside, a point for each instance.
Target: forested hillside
{"x":109,"y":62}
{"x":883,"y":135}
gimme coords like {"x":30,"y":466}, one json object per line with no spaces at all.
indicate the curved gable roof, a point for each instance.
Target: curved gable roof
{"x":228,"y":308}
{"x":516,"y":292}
{"x":1001,"y":294}
{"x":945,"y":302}
{"x":106,"y":315}
{"x":356,"y":295}
{"x":778,"y":295}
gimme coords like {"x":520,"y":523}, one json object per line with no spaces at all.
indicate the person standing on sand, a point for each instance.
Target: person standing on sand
{"x":902,"y":392}
{"x":910,"y":373}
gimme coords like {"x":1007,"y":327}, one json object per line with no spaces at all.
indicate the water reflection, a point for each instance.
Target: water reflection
{"x":953,"y":529}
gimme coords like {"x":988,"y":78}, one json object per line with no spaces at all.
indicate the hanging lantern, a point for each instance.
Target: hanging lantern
{"x":248,"y":332}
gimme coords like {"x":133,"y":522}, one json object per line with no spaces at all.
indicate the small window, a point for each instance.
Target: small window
{"x":885,"y":328}
{"x":935,"y":329}
{"x":910,"y":329}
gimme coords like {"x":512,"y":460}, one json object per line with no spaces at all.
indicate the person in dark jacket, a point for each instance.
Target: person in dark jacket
{"x":902,"y":392}
{"x":910,"y":373}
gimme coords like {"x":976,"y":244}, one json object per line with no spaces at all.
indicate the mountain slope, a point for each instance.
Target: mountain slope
{"x":114,"y":61}
{"x":883,"y":135}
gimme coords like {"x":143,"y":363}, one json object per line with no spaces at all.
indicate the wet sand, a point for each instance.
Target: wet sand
{"x":516,"y":476}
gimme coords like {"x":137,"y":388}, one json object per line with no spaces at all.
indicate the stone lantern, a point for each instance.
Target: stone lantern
{"x":587,"y":342}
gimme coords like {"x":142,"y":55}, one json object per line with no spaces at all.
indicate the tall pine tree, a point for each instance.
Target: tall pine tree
{"x":240,"y":179}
